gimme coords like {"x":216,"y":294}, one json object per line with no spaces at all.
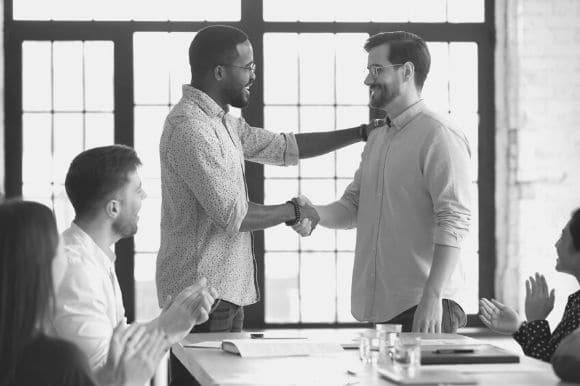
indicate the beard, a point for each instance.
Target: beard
{"x":382,"y":95}
{"x":239,"y":97}
{"x":125,"y":227}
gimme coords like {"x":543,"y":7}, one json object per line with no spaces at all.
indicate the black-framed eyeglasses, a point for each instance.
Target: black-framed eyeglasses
{"x":376,"y":69}
{"x":250,"y":67}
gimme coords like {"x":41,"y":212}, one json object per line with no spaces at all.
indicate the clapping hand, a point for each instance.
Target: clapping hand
{"x":310,"y":217}
{"x":134,"y":354}
{"x":499,"y":317}
{"x":192,"y":306}
{"x":539,"y":299}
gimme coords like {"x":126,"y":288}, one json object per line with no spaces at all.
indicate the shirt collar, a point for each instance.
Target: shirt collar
{"x":106,"y":258}
{"x":204,"y":101}
{"x":401,"y":120}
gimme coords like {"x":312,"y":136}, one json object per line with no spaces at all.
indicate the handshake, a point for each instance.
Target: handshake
{"x":309,"y":217}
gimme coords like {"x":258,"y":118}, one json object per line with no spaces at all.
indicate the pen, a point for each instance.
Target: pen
{"x":454,"y":351}
{"x":261,"y":336}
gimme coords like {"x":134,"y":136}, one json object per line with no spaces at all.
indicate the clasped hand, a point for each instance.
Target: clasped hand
{"x":310,"y":217}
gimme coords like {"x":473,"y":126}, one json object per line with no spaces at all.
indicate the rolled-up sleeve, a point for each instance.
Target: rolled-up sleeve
{"x":81,"y":315}
{"x":351,"y":196}
{"x":266,"y":147}
{"x":448,"y":180}
{"x":197,"y":157}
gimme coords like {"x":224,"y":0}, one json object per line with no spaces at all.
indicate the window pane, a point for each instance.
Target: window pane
{"x":319,"y":192}
{"x":468,"y":123}
{"x":465,"y":11}
{"x":281,"y":68}
{"x":36,"y":145}
{"x":148,"y":237}
{"x":182,"y":10}
{"x":99,"y":130}
{"x":351,"y":62}
{"x":359,"y":10}
{"x":68,"y":76}
{"x":348,"y":158}
{"x":178,"y":59}
{"x":151,"y":67}
{"x":463,"y":77}
{"x":146,"y":304}
{"x":63,"y":209}
{"x":318,"y":302}
{"x":36,"y":77}
{"x":99,"y":76}
{"x":279,"y":191}
{"x":427,"y":11}
{"x":316,"y":68}
{"x":436,"y":90}
{"x":68,"y":142}
{"x":389,"y":11}
{"x":148,"y":127}
{"x":344,"y":264}
{"x":281,"y":288}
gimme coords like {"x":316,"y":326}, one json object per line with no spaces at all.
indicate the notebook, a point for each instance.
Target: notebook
{"x":466,"y":354}
{"x":426,"y":377}
{"x":264,"y":348}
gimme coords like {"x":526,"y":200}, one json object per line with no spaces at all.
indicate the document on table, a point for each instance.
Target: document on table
{"x":264,"y":348}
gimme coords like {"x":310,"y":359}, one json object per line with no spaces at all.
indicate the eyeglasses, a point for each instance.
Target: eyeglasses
{"x":250,"y":67}
{"x":376,"y":69}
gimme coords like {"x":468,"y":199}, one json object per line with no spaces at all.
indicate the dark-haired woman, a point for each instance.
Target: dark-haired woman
{"x":533,"y":334}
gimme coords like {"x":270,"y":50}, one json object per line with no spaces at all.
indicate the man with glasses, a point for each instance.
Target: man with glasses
{"x":207,"y":217}
{"x":409,"y":200}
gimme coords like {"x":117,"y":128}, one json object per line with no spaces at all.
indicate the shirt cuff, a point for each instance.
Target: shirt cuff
{"x":291,"y":154}
{"x":447,"y":237}
{"x":237,"y":215}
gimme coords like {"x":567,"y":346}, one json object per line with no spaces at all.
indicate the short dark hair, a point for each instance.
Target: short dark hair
{"x":574,"y":227}
{"x":212,"y":46}
{"x":95,"y":174}
{"x":405,"y":47}
{"x":28,"y":244}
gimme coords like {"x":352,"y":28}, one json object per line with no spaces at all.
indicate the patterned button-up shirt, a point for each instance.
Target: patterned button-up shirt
{"x":535,"y":337}
{"x":205,"y":199}
{"x":411,"y":191}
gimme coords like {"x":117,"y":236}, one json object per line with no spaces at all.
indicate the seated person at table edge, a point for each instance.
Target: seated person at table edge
{"x":534,"y":334}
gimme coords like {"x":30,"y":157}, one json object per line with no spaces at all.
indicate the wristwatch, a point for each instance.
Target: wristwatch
{"x":297,"y":213}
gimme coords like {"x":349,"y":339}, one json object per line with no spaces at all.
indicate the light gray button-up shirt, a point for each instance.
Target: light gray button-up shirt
{"x":411,"y":191}
{"x":205,"y":199}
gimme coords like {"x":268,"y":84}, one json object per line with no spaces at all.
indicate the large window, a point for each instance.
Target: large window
{"x":86,"y":73}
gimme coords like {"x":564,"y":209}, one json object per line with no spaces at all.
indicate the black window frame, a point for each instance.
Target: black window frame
{"x":121,"y":34}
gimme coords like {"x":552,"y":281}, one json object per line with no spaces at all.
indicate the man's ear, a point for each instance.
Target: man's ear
{"x":408,"y":71}
{"x":113,"y":208}
{"x":219,"y":72}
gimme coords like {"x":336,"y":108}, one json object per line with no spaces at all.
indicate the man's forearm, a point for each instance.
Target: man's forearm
{"x":445,"y":260}
{"x":335,"y":216}
{"x":315,"y":144}
{"x":266,"y":216}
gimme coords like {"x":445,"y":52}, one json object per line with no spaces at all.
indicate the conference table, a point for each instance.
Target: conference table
{"x":210,"y":365}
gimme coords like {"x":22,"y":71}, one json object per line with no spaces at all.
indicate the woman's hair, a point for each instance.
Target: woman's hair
{"x":28,"y":244}
{"x":575,"y":229}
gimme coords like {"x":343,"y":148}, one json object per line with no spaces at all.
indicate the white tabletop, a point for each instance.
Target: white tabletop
{"x":212,"y":366}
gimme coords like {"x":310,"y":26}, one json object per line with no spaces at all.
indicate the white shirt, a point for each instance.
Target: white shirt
{"x":88,"y":302}
{"x":204,"y":197}
{"x":411,"y":191}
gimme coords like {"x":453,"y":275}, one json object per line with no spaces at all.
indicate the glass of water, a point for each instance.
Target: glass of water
{"x":408,"y":353}
{"x":365,"y":346}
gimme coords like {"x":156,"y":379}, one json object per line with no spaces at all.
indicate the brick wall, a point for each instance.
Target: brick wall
{"x":538,"y":140}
